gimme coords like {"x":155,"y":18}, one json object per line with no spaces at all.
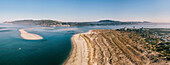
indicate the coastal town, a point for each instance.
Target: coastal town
{"x":162,"y":34}
{"x":155,"y":40}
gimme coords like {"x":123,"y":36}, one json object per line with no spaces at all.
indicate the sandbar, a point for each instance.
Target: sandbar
{"x":29,"y":36}
{"x":3,"y":29}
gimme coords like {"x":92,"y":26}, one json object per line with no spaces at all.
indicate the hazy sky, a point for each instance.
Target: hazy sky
{"x":86,"y":10}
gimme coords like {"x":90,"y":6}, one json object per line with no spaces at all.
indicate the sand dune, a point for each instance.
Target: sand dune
{"x":29,"y":36}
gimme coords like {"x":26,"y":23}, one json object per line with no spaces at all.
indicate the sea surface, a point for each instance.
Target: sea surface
{"x":54,"y":49}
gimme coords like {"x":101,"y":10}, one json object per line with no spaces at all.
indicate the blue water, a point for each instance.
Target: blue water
{"x":52,"y":50}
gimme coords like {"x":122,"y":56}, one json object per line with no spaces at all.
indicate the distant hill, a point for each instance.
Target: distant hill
{"x":59,"y":23}
{"x":108,"y":21}
{"x":101,"y":22}
{"x":36,"y":22}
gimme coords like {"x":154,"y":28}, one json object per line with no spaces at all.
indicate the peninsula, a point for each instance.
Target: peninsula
{"x":111,"y":47}
{"x":29,"y":36}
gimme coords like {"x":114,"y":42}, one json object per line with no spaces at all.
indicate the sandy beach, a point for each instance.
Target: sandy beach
{"x":3,"y":29}
{"x":29,"y":36}
{"x":105,"y":47}
{"x":79,"y":52}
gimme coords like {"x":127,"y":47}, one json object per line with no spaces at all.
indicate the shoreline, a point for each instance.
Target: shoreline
{"x":78,"y":47}
{"x":29,"y":36}
{"x":72,"y":46}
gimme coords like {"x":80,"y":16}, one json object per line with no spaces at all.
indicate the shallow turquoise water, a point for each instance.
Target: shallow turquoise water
{"x":52,"y":50}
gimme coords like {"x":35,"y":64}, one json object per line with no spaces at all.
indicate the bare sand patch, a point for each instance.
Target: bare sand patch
{"x":3,"y":29}
{"x":29,"y":36}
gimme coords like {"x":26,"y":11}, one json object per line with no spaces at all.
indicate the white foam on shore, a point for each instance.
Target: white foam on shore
{"x":29,"y":36}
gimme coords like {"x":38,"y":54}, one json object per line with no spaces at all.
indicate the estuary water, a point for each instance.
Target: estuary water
{"x":54,"y":49}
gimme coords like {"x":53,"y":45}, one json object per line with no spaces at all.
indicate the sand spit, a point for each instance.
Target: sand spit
{"x":29,"y":36}
{"x":105,"y":47}
{"x":3,"y":29}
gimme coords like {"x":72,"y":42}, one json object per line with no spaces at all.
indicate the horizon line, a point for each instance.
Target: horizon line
{"x":87,"y":21}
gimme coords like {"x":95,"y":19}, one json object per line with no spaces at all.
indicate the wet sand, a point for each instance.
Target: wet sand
{"x":29,"y":36}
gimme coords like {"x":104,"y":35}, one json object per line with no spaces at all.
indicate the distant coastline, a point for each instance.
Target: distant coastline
{"x":53,"y":23}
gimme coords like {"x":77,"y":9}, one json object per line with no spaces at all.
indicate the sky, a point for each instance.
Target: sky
{"x":86,"y":10}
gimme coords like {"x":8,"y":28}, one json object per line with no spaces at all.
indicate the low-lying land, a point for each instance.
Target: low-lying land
{"x":111,"y":47}
{"x":29,"y":36}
